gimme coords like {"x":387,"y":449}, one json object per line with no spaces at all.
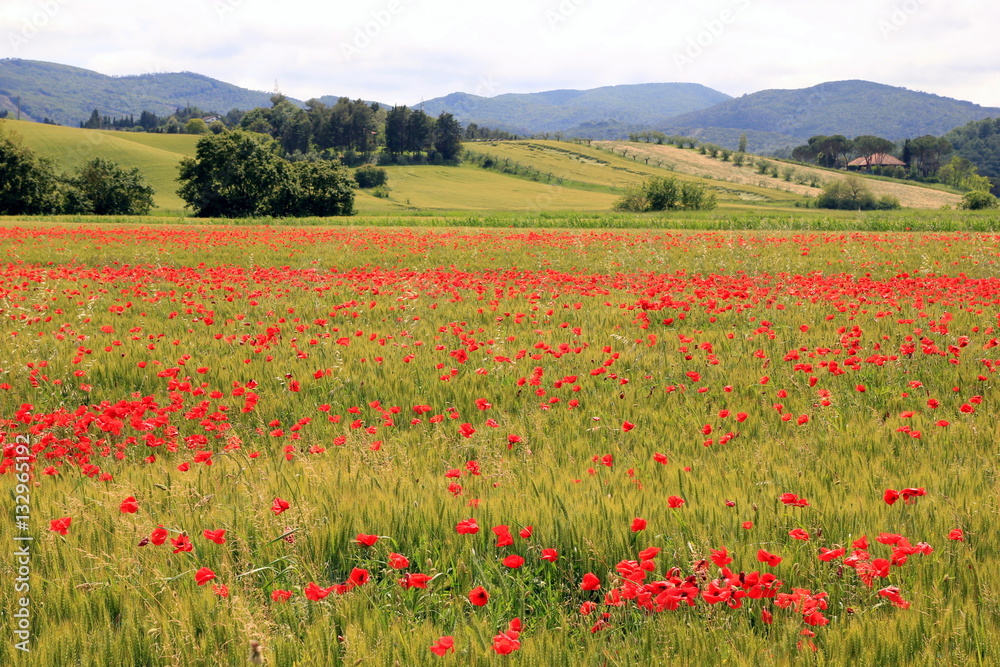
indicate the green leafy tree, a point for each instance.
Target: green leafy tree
{"x":962,"y":174}
{"x":238,"y":174}
{"x":196,"y":126}
{"x":448,"y":136}
{"x":235,"y":174}
{"x":661,"y":193}
{"x":928,"y":152}
{"x":743,"y":143}
{"x":110,"y":189}
{"x":28,"y":184}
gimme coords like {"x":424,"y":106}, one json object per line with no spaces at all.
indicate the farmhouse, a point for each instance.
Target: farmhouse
{"x":876,"y":160}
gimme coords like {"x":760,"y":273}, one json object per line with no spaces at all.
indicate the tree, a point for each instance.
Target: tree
{"x":447,"y":136}
{"x":928,"y":151}
{"x":110,"y":189}
{"x":830,"y":149}
{"x":743,"y":143}
{"x":867,"y":146}
{"x":234,"y":174}
{"x":419,"y":132}
{"x":396,"y":124}
{"x":962,"y":174}
{"x":318,"y":188}
{"x":196,"y":126}
{"x":28,"y":184}
{"x":238,"y":174}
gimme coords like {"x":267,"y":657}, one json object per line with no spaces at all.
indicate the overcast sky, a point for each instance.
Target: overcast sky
{"x":405,"y":51}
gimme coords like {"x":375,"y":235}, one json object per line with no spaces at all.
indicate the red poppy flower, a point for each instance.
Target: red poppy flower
{"x":60,"y":526}
{"x":513,"y":561}
{"x":217,"y":536}
{"x":799,"y":534}
{"x":221,"y":590}
{"x":955,"y":534}
{"x":638,"y":524}
{"x":769,"y":558}
{"x":550,"y":555}
{"x":660,"y":458}
{"x":890,"y":496}
{"x":721,"y":557}
{"x":525,"y":532}
{"x":315,"y":592}
{"x":675,"y":501}
{"x":279,"y":506}
{"x":358,"y":577}
{"x":203,"y":576}
{"x":366,"y":540}
{"x":158,"y":536}
{"x":627,"y":426}
{"x":590,"y":582}
{"x":181,"y":543}
{"x":467,"y":527}
{"x":398,"y":561}
{"x":827,"y":555}
{"x":504,"y":644}
{"x":280,"y":595}
{"x":415,"y":580}
{"x":478,"y":596}
{"x":443,"y":645}
{"x":129,"y":506}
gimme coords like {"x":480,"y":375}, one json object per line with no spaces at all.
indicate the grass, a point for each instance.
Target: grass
{"x":156,"y":155}
{"x":370,"y":319}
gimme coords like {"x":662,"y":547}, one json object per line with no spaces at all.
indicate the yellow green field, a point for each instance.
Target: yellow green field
{"x":156,"y":155}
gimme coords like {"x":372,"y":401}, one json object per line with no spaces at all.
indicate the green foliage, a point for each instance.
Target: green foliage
{"x":851,"y":193}
{"x":447,"y":137}
{"x":370,"y":176}
{"x":196,"y":126}
{"x":28,"y":183}
{"x":662,"y":194}
{"x":979,"y":142}
{"x":109,"y":189}
{"x":237,"y":174}
{"x":962,"y":174}
{"x":977,"y":200}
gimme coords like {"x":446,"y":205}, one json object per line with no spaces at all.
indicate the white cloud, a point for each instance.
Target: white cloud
{"x":400,"y":51}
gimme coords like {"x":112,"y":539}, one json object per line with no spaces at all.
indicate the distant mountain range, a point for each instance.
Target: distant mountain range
{"x":570,"y":111}
{"x":771,"y":118}
{"x":774,"y":118}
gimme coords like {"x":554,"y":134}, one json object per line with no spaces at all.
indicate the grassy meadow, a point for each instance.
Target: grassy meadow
{"x":384,"y":420}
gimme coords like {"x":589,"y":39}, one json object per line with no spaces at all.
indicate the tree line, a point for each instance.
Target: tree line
{"x":30,"y":185}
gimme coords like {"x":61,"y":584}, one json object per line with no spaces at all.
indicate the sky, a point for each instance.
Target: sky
{"x":406,"y":51}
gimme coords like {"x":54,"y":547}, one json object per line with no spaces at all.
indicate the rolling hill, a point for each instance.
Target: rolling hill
{"x":775,"y":118}
{"x":568,"y":111}
{"x":156,"y":155}
{"x":67,"y":95}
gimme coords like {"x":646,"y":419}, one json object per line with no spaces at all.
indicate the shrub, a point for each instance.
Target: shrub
{"x":661,"y":194}
{"x":978,"y":200}
{"x":852,"y":194}
{"x":370,"y":176}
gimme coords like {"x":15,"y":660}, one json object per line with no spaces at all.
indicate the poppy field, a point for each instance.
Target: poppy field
{"x":324,"y":446}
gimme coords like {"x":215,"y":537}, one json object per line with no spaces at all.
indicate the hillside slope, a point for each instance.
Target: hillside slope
{"x":156,"y":155}
{"x":567,"y":110}
{"x":691,"y":162}
{"x":68,"y":95}
{"x":851,"y":108}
